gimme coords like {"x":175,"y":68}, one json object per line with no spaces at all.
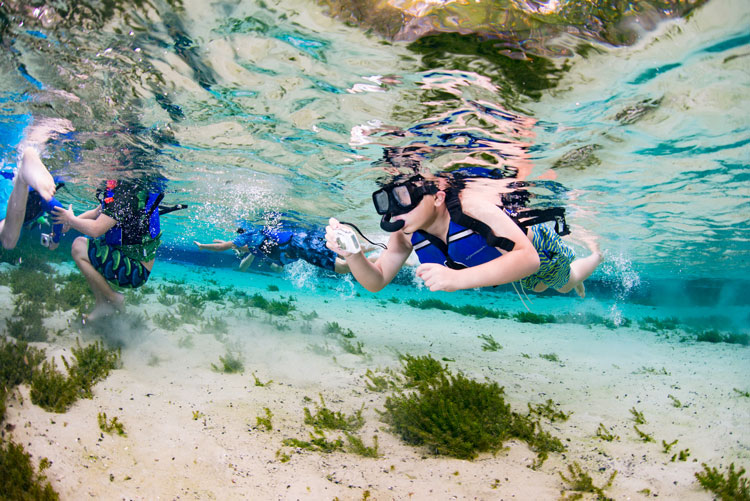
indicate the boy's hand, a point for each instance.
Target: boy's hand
{"x":438,"y":277}
{"x":333,"y":225}
{"x":63,"y":216}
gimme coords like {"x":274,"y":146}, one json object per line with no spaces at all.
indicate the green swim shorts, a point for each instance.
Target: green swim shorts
{"x":555,"y":257}
{"x":115,"y":266}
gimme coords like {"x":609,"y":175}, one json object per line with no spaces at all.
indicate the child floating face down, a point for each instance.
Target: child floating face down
{"x":454,"y":257}
{"x":281,"y":246}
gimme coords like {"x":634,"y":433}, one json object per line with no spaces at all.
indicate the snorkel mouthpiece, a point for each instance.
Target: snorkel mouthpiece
{"x":390,"y":226}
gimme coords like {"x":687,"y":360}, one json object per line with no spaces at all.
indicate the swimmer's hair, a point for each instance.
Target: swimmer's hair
{"x":240,"y":230}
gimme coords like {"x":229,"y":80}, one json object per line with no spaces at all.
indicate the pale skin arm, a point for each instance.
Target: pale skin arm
{"x":92,"y":223}
{"x":217,"y":245}
{"x":373,"y":276}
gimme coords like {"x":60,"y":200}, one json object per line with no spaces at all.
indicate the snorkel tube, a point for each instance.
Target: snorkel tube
{"x":390,"y":226}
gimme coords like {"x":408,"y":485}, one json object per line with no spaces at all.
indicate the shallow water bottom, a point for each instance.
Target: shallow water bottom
{"x":192,"y":431}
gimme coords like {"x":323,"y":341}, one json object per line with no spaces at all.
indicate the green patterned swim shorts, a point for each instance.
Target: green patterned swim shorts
{"x":555,"y":257}
{"x":116,"y":267}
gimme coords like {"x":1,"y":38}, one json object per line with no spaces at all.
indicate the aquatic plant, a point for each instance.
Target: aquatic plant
{"x":279,"y":325}
{"x":349,"y":347}
{"x":376,"y":383}
{"x":92,"y":364}
{"x":189,"y":313}
{"x":186,"y":342}
{"x":18,"y":479}
{"x":197,"y":415}
{"x":489,"y":343}
{"x":643,"y":435}
{"x":581,"y":482}
{"x":651,"y":370}
{"x":165,"y":299}
{"x":309,"y":316}
{"x":214,"y":295}
{"x":681,"y":456}
{"x":75,"y":294}
{"x":654,"y":324}
{"x":421,"y":370}
{"x":318,"y":442}
{"x":333,"y":420}
{"x":33,"y":286}
{"x":175,"y":289}
{"x":230,"y":364}
{"x":456,"y":416}
{"x":167,"y":321}
{"x":52,"y":390}
{"x":17,"y":362}
{"x":552,"y":357}
{"x":603,"y":433}
{"x":273,"y":288}
{"x":742,"y":393}
{"x":714,"y":336}
{"x":28,"y":327}
{"x":534,"y":318}
{"x":147,"y":289}
{"x":729,"y":486}
{"x":637,"y":416}
{"x":265,"y":422}
{"x":194,"y":301}
{"x":133,"y":297}
{"x":111,"y":426}
{"x":216,"y":324}
{"x":280,"y":308}
{"x":260,"y":383}
{"x":335,"y":328}
{"x":675,"y":402}
{"x":467,"y":310}
{"x":357,"y":446}
{"x":548,"y":410}
{"x":668,"y":446}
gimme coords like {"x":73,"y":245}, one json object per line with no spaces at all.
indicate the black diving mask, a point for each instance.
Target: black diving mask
{"x":399,"y":198}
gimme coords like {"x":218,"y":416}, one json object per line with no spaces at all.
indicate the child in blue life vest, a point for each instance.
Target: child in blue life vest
{"x":466,"y":238}
{"x":120,"y":248}
{"x":280,"y":246}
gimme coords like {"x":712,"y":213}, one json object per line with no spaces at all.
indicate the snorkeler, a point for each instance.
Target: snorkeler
{"x":123,"y":235}
{"x":466,"y":239}
{"x":281,"y":246}
{"x":29,"y":192}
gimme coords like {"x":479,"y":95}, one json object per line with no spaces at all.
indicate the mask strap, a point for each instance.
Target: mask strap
{"x":382,"y":246}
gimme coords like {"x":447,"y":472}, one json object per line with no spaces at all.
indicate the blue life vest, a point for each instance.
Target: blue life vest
{"x":465,"y":247}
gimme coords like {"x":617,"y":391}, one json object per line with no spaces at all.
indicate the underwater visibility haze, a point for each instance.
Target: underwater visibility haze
{"x":633,"y":116}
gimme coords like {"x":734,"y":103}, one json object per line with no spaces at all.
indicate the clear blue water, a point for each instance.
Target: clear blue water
{"x":255,"y":112}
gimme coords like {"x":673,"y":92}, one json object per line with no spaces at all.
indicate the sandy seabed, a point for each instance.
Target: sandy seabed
{"x":192,"y":432}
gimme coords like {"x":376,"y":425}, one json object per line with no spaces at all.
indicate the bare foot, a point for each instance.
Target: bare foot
{"x":105,"y":309}
{"x":580,"y":290}
{"x":35,"y":174}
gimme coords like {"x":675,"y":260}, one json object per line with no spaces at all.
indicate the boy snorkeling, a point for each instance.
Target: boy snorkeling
{"x":123,"y":235}
{"x":281,"y":246}
{"x":465,"y":239}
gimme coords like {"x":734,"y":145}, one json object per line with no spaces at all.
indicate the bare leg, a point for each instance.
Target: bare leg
{"x":107,"y":300}
{"x":581,"y":269}
{"x":35,"y":174}
{"x":246,"y":262}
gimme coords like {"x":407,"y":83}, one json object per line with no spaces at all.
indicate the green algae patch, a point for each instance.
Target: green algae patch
{"x":421,"y":370}
{"x":580,"y":482}
{"x":18,"y":478}
{"x":455,"y":416}
{"x":56,"y":392}
{"x":333,"y":420}
{"x":729,"y":486}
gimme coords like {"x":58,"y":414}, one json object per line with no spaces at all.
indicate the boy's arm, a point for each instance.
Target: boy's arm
{"x":373,"y":276}
{"x":521,"y":262}
{"x":95,"y":227}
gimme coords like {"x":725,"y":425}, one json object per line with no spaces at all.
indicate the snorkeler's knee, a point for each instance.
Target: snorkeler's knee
{"x":80,"y":248}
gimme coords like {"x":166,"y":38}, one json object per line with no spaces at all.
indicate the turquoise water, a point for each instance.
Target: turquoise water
{"x":632,"y":116}
{"x":257,"y":112}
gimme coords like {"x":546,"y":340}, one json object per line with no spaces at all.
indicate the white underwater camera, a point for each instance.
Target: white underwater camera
{"x":46,"y":239}
{"x":347,"y":240}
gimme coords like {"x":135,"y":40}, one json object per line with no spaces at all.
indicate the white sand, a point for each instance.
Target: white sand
{"x":167,"y":454}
